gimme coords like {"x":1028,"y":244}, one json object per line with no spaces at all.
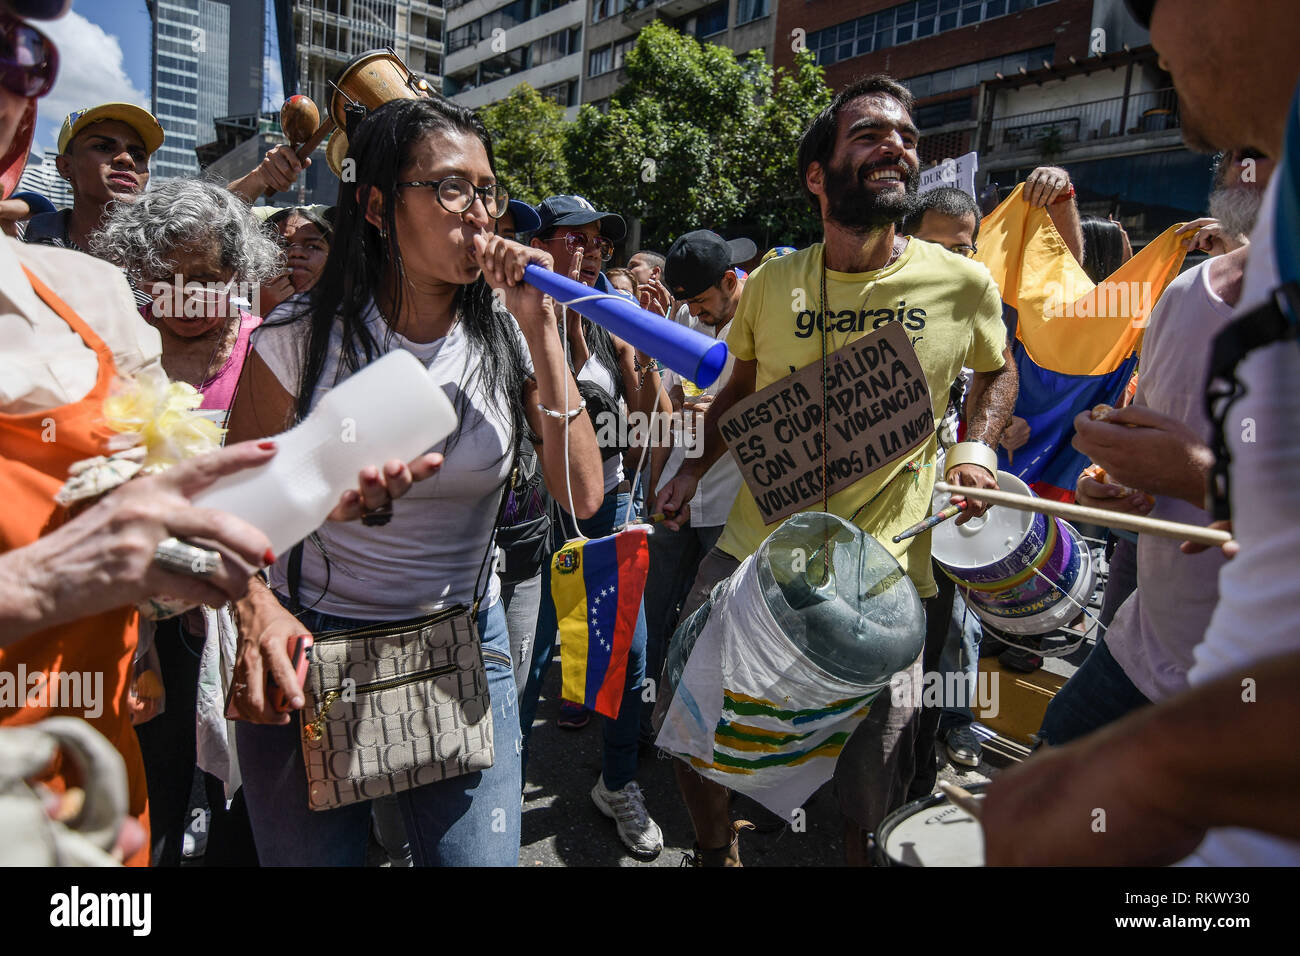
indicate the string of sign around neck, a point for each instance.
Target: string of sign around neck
{"x":899,"y":245}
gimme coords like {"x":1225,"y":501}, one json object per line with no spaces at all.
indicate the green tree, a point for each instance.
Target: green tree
{"x":528,"y":140}
{"x":699,"y":139}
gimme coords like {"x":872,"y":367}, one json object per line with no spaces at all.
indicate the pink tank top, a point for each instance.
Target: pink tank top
{"x":219,"y":391}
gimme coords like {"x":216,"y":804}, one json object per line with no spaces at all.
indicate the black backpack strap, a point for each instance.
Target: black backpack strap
{"x":1274,"y":321}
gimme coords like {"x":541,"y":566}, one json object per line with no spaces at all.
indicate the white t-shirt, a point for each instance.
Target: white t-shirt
{"x":1155,"y":630}
{"x":1259,"y":590}
{"x":717,"y":490}
{"x":427,"y":557}
{"x":593,"y":370}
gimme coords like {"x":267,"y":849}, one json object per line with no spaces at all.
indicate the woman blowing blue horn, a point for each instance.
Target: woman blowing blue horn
{"x":414,"y":266}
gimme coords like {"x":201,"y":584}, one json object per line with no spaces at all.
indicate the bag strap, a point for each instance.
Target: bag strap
{"x":496,"y":526}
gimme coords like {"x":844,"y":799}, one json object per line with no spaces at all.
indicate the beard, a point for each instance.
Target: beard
{"x":854,"y":205}
{"x":1236,"y":208}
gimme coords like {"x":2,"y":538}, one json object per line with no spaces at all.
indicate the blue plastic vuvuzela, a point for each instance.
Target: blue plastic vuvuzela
{"x":688,"y":353}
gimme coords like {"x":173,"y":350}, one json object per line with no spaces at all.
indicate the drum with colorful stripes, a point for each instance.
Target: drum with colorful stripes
{"x":1022,"y":572}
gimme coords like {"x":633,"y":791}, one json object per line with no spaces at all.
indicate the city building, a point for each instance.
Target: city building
{"x":208,"y":62}
{"x":572,"y":50}
{"x":493,"y":46}
{"x":1112,"y":121}
{"x":613,"y":25}
{"x":327,"y":34}
{"x":41,"y":176}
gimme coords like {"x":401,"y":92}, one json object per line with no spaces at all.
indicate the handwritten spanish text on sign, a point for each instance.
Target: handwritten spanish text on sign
{"x":877,"y":410}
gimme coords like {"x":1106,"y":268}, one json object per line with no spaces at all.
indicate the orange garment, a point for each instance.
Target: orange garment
{"x":36,"y":451}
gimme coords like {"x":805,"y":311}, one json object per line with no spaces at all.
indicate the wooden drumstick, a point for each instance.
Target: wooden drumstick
{"x":961,"y":797}
{"x":1109,"y":519}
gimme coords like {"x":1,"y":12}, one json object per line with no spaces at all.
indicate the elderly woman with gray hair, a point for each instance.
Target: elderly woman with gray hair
{"x":200,"y":255}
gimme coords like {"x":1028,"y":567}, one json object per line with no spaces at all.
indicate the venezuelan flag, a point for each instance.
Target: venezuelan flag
{"x":597,"y":584}
{"x":1076,"y":343}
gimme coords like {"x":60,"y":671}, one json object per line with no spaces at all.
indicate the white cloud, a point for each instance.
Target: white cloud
{"x":90,"y":72}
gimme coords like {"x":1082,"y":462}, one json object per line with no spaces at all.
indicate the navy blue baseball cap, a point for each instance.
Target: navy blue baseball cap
{"x":526,"y":218}
{"x":35,"y":202}
{"x":576,"y":211}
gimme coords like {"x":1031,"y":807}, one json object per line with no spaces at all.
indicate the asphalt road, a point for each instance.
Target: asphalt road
{"x":562,"y":827}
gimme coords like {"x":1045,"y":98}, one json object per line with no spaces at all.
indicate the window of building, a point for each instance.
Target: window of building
{"x":602,"y":9}
{"x":566,"y":93}
{"x":940,"y":114}
{"x":621,"y":49}
{"x":600,"y":61}
{"x":499,"y":67}
{"x":971,"y":74}
{"x":711,"y":20}
{"x":903,"y":24}
{"x":748,"y":10}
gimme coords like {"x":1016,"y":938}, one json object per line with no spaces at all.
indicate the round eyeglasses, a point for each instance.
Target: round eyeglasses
{"x":573,"y":241}
{"x":456,"y":194}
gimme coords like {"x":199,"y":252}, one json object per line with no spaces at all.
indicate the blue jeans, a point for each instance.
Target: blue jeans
{"x":470,"y":820}
{"x":961,"y":654}
{"x":619,"y":763}
{"x":674,"y":560}
{"x":1097,"y":694}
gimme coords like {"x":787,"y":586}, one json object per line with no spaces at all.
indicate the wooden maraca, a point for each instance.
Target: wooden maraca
{"x":300,"y":122}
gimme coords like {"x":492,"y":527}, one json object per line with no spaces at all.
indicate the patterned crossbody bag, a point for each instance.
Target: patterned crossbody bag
{"x":396,"y":705}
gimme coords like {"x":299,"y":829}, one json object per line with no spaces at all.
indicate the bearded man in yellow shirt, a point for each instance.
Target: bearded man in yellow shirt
{"x":859,"y":168}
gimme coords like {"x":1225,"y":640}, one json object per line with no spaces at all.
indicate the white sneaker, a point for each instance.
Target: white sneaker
{"x":626,"y":807}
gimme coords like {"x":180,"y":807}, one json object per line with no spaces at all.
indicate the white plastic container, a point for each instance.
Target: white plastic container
{"x":390,"y":409}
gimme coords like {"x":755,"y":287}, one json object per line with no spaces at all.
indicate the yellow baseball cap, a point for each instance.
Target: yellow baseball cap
{"x":142,"y":121}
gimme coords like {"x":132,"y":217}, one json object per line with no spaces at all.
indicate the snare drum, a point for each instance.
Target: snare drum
{"x":932,"y":831}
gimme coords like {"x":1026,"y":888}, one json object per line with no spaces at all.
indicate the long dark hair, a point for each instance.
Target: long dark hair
{"x":1103,"y":247}
{"x":361,"y":255}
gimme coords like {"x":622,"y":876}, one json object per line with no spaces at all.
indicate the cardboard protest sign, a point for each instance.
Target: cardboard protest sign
{"x":878,"y":409}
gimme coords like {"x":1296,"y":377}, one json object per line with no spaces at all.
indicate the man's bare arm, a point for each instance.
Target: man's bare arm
{"x":1149,"y":774}
{"x":991,"y":401}
{"x":1044,"y":187}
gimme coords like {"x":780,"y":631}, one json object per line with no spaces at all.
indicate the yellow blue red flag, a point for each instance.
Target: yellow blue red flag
{"x":1077,"y":342}
{"x":597,"y":585}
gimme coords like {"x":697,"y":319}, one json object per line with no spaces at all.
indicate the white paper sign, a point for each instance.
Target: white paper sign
{"x":959,"y":172}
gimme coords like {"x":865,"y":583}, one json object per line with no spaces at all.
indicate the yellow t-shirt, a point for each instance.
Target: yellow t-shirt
{"x":952,"y":311}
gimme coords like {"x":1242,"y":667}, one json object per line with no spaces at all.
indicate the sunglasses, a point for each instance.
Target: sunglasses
{"x":29,"y":61}
{"x":573,"y":241}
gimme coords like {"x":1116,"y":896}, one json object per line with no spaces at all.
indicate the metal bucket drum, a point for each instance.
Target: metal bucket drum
{"x":336,"y":150}
{"x":931,"y":831}
{"x":1022,"y":572}
{"x":373,"y":79}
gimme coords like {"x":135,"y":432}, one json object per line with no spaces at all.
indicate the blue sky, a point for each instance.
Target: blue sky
{"x":104,"y":48}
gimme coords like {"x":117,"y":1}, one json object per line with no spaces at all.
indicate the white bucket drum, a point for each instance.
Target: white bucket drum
{"x":1022,"y":572}
{"x":932,"y":831}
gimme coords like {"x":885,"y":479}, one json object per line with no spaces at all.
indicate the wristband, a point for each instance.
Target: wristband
{"x":1064,"y":196}
{"x":972,"y":453}
{"x":570,"y":415}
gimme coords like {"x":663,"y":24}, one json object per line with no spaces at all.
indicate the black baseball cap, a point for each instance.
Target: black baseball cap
{"x":699,"y":259}
{"x":577,"y":211}
{"x":1141,"y":10}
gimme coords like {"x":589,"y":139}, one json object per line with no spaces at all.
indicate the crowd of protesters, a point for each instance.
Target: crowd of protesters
{"x":262,"y":310}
